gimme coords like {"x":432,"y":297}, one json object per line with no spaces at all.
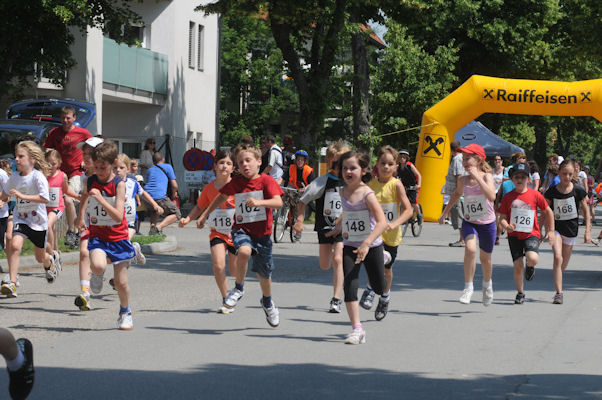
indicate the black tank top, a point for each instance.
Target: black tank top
{"x":406,"y":176}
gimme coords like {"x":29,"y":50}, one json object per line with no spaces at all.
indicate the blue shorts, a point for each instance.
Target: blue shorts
{"x":486,"y":234}
{"x":261,"y":251}
{"x":116,"y":251}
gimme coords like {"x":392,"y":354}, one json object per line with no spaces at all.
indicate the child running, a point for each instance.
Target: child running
{"x":565,"y":199}
{"x":478,"y":189}
{"x":220,"y":221}
{"x":255,"y":195}
{"x":58,"y":184}
{"x":325,"y":191}
{"x":362,"y":223}
{"x":104,"y":200}
{"x":518,"y":216}
{"x":391,"y":195}
{"x":30,"y":189}
{"x":19,"y":362}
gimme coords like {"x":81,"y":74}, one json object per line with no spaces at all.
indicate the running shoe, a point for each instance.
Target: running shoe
{"x":457,"y":243}
{"x":367,"y":299}
{"x":386,"y":257}
{"x":125,"y":322}
{"x":9,"y":289}
{"x":154,"y":231}
{"x":96,"y":282}
{"x":497,"y":241}
{"x":83,"y":300}
{"x":381,"y":310}
{"x":21,"y":380}
{"x":357,"y":336}
{"x":57,"y":259}
{"x":466,"y":296}
{"x":52,"y":272}
{"x":69,"y":238}
{"x":529,"y":273}
{"x":139,"y":259}
{"x":335,"y":306}
{"x":272,"y":315}
{"x":558,"y":298}
{"x":596,"y":242}
{"x":520,"y":298}
{"x":6,"y":279}
{"x":223,"y":309}
{"x":112,"y":283}
{"x":487,"y":296}
{"x":233,"y":297}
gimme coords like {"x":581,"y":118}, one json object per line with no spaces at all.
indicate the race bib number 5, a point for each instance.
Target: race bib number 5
{"x":245,"y":213}
{"x":523,"y":219}
{"x":356,"y":225}
{"x":98,"y":215}
{"x":53,"y":194}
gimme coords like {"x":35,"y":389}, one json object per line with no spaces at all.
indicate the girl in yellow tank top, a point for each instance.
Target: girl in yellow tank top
{"x":391,"y":195}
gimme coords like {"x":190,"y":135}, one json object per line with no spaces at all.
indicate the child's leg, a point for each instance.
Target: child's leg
{"x":337,"y":269}
{"x":42,"y":257}
{"x":232,"y":264}
{"x":470,"y":258}
{"x":84,"y":261}
{"x":131,"y":233}
{"x":51,"y":233}
{"x":218,"y":257}
{"x":242,"y":262}
{"x":375,"y":268}
{"x":98,"y":261}
{"x":8,"y":345}
{"x":558,"y":261}
{"x":351,"y":272}
{"x":121,"y":281}
{"x":266,"y":285}
{"x":16,"y":244}
{"x":326,"y":254}
{"x":519,"y":269}
{"x":486,"y":265}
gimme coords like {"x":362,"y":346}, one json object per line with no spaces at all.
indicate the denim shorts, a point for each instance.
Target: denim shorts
{"x":261,"y":251}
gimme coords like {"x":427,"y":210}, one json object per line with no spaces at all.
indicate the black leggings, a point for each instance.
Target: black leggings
{"x":375,"y":269}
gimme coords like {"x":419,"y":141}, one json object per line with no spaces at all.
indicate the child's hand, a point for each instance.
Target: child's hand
{"x":15,"y":192}
{"x":510,"y":228}
{"x":441,"y":219}
{"x":95,"y":193}
{"x":550,"y":235}
{"x":252,"y":202}
{"x":333,"y":232}
{"x":184,"y":222}
{"x":472,"y":171}
{"x":389,"y":227}
{"x":361,"y":253}
{"x":298,"y":227}
{"x":200,"y":223}
{"x":80,"y":224}
{"x":587,"y":238}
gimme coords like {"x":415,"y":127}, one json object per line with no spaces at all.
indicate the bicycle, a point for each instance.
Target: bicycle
{"x":413,"y":221}
{"x":285,"y":217}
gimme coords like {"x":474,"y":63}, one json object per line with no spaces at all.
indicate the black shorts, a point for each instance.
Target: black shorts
{"x":215,"y":241}
{"x":322,"y":239}
{"x":393,"y":251}
{"x":412,"y":195}
{"x":38,"y":238}
{"x":519,"y":247}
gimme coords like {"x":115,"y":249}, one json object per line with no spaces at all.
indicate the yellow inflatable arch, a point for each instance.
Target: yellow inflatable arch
{"x":484,"y":94}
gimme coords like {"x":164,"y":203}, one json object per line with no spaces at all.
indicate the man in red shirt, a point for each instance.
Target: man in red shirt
{"x":65,"y":139}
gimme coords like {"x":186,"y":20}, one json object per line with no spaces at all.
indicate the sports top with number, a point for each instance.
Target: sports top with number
{"x":263,"y":185}
{"x":477,"y":208}
{"x":31,"y":214}
{"x":132,"y":188}
{"x":566,"y":209}
{"x":100,"y":221}
{"x":55,"y":192}
{"x":525,"y":207}
{"x":3,"y":180}
{"x":360,"y":206}
{"x":386,"y":194}
{"x":65,"y":143}
{"x":327,"y":210}
{"x":207,"y":195}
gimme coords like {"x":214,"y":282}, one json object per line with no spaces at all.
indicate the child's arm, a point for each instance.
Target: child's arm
{"x":405,"y":206}
{"x":381,"y":224}
{"x":218,"y":201}
{"x":417,"y":175}
{"x":158,"y":209}
{"x":549,"y":223}
{"x":338,"y":227}
{"x":300,"y":217}
{"x":588,"y":224}
{"x":79,"y":221}
{"x":274,"y":202}
{"x":505,"y":225}
{"x":116,"y":213}
{"x":452,"y":200}
{"x":485,"y":181}
{"x":32,"y":198}
{"x":193,"y":214}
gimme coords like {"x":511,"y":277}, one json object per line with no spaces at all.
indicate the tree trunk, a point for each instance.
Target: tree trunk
{"x":361,"y":88}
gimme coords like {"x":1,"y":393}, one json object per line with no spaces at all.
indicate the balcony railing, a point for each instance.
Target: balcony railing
{"x":134,"y":67}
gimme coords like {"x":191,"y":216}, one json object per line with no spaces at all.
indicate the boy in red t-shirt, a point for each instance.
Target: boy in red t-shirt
{"x":518,"y":213}
{"x":255,"y":195}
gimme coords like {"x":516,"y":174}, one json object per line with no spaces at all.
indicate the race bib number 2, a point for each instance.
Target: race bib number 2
{"x":245,"y":213}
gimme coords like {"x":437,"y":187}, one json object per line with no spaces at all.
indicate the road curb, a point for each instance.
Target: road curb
{"x":29,"y":263}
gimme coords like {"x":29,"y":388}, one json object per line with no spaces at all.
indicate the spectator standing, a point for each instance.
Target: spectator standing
{"x":454,"y":173}
{"x":162,"y":186}
{"x":547,"y":178}
{"x":64,"y":139}
{"x":146,"y":156}
{"x":275,"y":161}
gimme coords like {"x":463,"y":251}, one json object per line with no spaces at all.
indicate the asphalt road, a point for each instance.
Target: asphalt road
{"x":429,"y":346}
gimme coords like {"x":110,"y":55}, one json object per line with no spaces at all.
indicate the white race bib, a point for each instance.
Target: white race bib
{"x":565,"y":209}
{"x":332,"y":204}
{"x":523,"y":219}
{"x":130,"y":210}
{"x":475,"y":207}
{"x":98,"y":215}
{"x":246,"y":214}
{"x":24,"y":206}
{"x":222,"y":220}
{"x":356,"y":225}
{"x":391,"y":211}
{"x":53,"y":197}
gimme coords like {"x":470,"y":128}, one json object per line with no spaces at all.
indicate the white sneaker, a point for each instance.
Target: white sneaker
{"x":96,"y":282}
{"x":57,"y":260}
{"x":357,"y":336}
{"x":52,"y":273}
{"x":466,"y":296}
{"x":272,"y":315}
{"x":232,"y":298}
{"x":223,"y":309}
{"x":487,"y":296}
{"x":140,"y":259}
{"x":125,"y":322}
{"x":387,"y":257}
{"x":6,"y":279}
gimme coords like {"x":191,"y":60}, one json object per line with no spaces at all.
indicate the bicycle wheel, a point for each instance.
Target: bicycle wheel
{"x":281,"y":222}
{"x":417,"y":224}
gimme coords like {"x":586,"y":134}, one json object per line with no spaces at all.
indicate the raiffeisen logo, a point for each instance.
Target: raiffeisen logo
{"x":533,"y":96}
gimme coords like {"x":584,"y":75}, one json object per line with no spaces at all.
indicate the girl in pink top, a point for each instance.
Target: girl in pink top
{"x":57,"y":186}
{"x":478,"y":189}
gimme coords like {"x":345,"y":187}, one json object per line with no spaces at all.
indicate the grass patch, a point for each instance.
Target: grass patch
{"x":148,"y":239}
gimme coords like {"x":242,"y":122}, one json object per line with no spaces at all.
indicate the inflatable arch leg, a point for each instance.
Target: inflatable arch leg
{"x":483,"y":94}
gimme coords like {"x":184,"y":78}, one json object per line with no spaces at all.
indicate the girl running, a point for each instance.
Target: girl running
{"x":325,"y":191}
{"x":221,"y":221}
{"x":58,"y":185}
{"x":362,"y":223}
{"x":565,"y":199}
{"x":30,"y":188}
{"x":478,"y":190}
{"x":391,"y":195}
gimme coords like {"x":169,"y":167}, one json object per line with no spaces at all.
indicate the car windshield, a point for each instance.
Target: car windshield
{"x":9,"y":137}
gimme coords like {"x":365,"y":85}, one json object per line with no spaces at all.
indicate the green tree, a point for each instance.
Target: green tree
{"x":39,"y":32}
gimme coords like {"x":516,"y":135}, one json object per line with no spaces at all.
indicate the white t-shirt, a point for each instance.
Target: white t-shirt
{"x":3,"y":179}
{"x":29,"y":213}
{"x":276,"y":162}
{"x":534,"y":176}
{"x":582,"y":178}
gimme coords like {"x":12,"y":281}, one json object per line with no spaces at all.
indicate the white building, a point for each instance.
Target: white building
{"x":167,"y":87}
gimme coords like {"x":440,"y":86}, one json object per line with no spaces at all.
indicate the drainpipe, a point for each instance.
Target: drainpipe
{"x":219,"y":74}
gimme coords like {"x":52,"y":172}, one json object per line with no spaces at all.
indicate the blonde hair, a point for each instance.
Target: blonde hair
{"x":36,"y":154}
{"x":247,"y":147}
{"x":54,"y":155}
{"x":4,"y":164}
{"x":336,"y":149}
{"x":124,"y":159}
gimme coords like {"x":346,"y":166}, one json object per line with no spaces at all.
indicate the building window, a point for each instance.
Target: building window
{"x":191,"y":47}
{"x":200,"y":46}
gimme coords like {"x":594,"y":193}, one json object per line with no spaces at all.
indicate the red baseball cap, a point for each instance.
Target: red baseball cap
{"x":473,"y":149}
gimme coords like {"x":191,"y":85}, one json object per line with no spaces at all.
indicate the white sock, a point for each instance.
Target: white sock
{"x":468,"y":285}
{"x":85,"y":283}
{"x":487,"y":285}
{"x":17,"y":362}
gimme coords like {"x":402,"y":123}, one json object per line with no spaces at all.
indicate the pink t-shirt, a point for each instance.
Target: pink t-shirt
{"x":55,"y":192}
